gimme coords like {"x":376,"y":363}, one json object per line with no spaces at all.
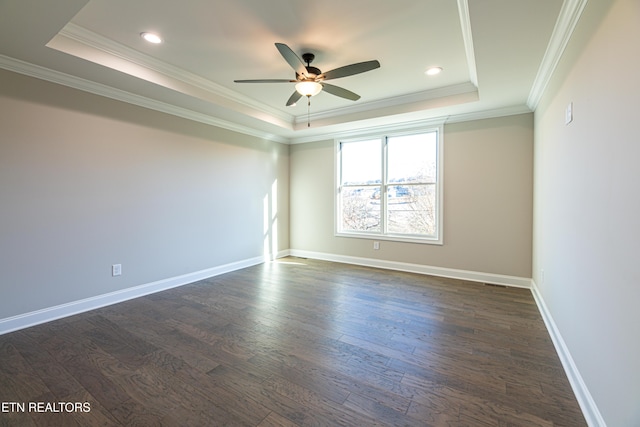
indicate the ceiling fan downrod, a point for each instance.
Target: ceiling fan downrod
{"x":312,"y":71}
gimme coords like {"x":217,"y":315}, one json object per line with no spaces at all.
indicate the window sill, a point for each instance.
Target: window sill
{"x":392,"y":238}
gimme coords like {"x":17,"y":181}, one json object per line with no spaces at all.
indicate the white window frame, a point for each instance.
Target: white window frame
{"x":437,"y":239}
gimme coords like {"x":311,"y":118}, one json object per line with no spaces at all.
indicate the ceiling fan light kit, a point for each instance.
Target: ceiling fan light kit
{"x":308,"y":88}
{"x":310,"y":80}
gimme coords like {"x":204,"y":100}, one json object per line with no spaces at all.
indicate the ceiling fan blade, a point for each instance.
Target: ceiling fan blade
{"x":292,"y":59}
{"x":266,"y":81}
{"x":350,"y":70}
{"x":294,"y":98}
{"x":338,"y":91}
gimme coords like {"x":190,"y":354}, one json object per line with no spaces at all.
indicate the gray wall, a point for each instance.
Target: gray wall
{"x":587,"y":205}
{"x":87,"y":182}
{"x":488,"y":196}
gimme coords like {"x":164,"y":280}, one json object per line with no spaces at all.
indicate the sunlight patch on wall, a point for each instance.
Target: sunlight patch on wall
{"x":270,"y":226}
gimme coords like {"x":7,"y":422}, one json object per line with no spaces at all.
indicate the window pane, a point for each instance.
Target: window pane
{"x":411,"y":209}
{"x":360,"y":209}
{"x":412,"y":158}
{"x":361,"y":162}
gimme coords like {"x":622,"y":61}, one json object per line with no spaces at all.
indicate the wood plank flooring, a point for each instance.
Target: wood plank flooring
{"x":296,"y":342}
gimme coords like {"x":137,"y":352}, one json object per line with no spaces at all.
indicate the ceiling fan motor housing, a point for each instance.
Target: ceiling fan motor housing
{"x":312,"y":72}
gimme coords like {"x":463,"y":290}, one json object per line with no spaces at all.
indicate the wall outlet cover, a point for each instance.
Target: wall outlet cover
{"x":116,"y":270}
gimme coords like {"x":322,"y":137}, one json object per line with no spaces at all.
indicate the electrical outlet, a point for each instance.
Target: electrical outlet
{"x":376,"y":245}
{"x":116,"y":270}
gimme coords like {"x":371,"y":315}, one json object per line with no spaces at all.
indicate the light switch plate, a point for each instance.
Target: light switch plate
{"x":568,"y":114}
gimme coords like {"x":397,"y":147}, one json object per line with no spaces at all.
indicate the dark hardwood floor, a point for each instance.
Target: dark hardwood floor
{"x":295,"y":343}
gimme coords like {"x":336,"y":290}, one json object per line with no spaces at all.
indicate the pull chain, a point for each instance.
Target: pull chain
{"x":308,"y":111}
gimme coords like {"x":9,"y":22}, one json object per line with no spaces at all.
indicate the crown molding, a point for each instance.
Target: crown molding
{"x":373,"y":130}
{"x":414,"y":124}
{"x":442,"y":92}
{"x":565,"y":25}
{"x":109,"y":47}
{"x":64,"y":79}
{"x":465,"y":25}
{"x":489,"y":114}
{"x":89,"y":39}
{"x":74,"y":38}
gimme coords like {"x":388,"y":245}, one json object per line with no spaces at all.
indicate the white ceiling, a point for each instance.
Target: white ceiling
{"x":495,"y":55}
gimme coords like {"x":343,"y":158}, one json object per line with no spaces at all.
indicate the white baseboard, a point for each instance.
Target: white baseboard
{"x":37,"y":317}
{"x":585,"y":400}
{"x":474,"y":276}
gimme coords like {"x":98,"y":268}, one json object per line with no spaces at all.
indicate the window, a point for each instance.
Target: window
{"x":390,"y":187}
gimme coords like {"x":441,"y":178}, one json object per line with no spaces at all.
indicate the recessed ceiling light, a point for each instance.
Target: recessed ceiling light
{"x":433,"y":71}
{"x":151,"y":37}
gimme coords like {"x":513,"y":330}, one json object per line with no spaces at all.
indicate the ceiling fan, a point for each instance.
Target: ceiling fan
{"x":310,"y":80}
